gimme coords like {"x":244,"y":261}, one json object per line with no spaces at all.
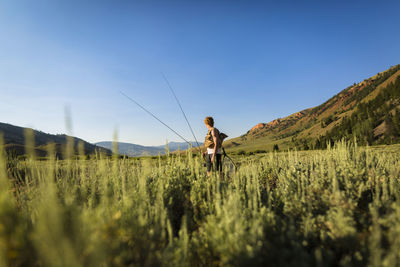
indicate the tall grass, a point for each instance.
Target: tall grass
{"x":338,"y":207}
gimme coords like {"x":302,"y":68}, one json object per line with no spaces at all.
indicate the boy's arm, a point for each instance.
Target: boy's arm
{"x":216,"y":143}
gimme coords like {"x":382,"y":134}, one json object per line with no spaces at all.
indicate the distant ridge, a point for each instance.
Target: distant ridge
{"x":134,"y":150}
{"x":14,"y":139}
{"x":368,"y":111}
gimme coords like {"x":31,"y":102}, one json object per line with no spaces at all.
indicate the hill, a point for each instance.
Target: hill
{"x":367,"y":111}
{"x":135,"y":150}
{"x":14,"y":139}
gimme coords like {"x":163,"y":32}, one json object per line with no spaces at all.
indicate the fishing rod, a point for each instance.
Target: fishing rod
{"x":155,"y":117}
{"x":180,"y":106}
{"x":166,"y":125}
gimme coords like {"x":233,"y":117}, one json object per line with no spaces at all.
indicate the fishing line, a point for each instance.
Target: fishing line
{"x":151,"y":114}
{"x":226,"y":156}
{"x":187,"y":121}
{"x":180,"y":106}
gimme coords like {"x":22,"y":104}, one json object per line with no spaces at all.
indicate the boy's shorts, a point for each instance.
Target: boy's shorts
{"x":217,"y":161}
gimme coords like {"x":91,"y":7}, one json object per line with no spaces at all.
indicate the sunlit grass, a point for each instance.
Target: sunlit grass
{"x":337,"y":207}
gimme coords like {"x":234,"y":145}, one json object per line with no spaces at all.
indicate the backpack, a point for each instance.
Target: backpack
{"x":209,"y":141}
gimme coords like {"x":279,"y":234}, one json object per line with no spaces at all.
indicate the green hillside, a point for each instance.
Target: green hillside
{"x":366,"y":111}
{"x":15,"y":142}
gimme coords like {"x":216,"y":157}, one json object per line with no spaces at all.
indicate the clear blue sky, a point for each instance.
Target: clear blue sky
{"x":242,"y":62}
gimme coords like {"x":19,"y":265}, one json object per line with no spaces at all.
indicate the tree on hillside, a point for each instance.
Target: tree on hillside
{"x":276,"y":147}
{"x":305,"y":145}
{"x":390,"y":132}
{"x":396,"y":123}
{"x":317,"y":144}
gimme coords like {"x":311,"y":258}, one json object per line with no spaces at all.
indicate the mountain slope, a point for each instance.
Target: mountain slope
{"x":174,"y":146}
{"x":132,"y":150}
{"x":375,"y":100}
{"x":14,"y":139}
{"x":135,"y":150}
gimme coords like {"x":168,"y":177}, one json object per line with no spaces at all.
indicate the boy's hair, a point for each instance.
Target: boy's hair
{"x":209,"y":121}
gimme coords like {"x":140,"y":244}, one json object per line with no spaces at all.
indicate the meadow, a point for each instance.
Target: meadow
{"x":333,"y":207}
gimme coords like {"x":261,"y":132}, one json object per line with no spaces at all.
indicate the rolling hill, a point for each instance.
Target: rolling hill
{"x":367,"y":111}
{"x":134,"y":150}
{"x":14,"y":140}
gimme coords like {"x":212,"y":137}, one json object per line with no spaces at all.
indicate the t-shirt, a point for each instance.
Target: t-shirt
{"x":211,"y":151}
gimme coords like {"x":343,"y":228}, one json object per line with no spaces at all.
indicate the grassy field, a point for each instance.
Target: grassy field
{"x":337,"y":207}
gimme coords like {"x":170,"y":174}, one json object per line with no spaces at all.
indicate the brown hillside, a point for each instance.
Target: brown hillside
{"x":314,"y":122}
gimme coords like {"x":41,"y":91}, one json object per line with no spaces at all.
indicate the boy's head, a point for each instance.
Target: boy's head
{"x":209,"y":121}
